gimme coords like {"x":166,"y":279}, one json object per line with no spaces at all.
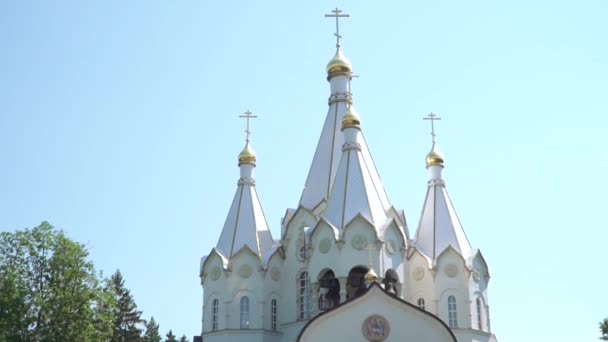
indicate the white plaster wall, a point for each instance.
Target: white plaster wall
{"x":458,"y":286}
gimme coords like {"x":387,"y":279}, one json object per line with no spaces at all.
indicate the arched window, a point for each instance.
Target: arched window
{"x":452,"y":319}
{"x":273,"y":315}
{"x":244,"y":312}
{"x":479,"y":319}
{"x":214,"y":314}
{"x":304,"y":296}
{"x":421,"y":303}
{"x":391,"y":282}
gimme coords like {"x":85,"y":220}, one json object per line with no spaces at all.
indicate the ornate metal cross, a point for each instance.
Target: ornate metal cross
{"x":432,"y":117}
{"x":337,"y":14}
{"x":248,"y":115}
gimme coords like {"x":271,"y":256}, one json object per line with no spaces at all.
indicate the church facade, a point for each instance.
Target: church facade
{"x":346,"y":254}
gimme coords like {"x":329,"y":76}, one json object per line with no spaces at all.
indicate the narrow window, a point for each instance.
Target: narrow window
{"x":273,"y":315}
{"x":421,"y":303}
{"x":479,"y":320}
{"x":215,"y":312}
{"x":452,"y":320}
{"x":244,"y":312}
{"x":304,"y":297}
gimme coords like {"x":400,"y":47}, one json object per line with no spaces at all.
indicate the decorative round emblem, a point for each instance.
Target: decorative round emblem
{"x":391,"y":247}
{"x":418,"y":273}
{"x":451,"y":270}
{"x":324,"y":246}
{"x":245,"y":271}
{"x":275,"y":273}
{"x":215,"y":273}
{"x":375,"y":328}
{"x":476,"y":276}
{"x":301,"y":253}
{"x":359,"y":242}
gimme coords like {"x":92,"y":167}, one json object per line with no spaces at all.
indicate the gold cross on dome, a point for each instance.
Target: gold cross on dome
{"x":432,"y":117}
{"x":247,"y":115}
{"x":337,"y":13}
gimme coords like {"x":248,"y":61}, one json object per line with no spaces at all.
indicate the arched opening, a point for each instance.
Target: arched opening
{"x":273,"y":315}
{"x":329,"y":291}
{"x":391,"y":282}
{"x":452,"y":315}
{"x":245,"y":312}
{"x":355,"y":284}
{"x":479,"y":314}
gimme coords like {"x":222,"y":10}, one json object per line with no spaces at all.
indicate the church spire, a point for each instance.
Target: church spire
{"x":327,"y":155}
{"x":439,"y":226}
{"x":354,"y":191}
{"x":245,"y":224}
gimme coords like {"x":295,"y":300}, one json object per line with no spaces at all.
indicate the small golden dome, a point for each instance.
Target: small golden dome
{"x":371,"y":276}
{"x":247,"y":155}
{"x":350,"y":118}
{"x":435,"y":157}
{"x":339,"y":64}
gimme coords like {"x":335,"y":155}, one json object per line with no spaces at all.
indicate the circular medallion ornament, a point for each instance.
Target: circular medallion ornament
{"x":275,"y":274}
{"x":375,"y":328}
{"x":451,"y":270}
{"x":359,"y":242}
{"x":418,"y":273}
{"x":476,"y":276}
{"x":391,"y":247}
{"x":324,"y":246}
{"x":215,"y":273}
{"x":245,"y":271}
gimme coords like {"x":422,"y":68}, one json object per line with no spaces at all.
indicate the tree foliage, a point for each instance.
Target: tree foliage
{"x":183,"y":339}
{"x":170,"y":337}
{"x":152,"y":334}
{"x":127,"y":318}
{"x":604,"y":329}
{"x":49,"y":291}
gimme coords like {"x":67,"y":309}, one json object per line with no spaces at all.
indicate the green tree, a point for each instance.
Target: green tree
{"x":152,"y":334}
{"x":170,"y":337}
{"x":48,"y":289}
{"x":604,"y":329}
{"x":126,"y":316}
{"x":183,"y":339}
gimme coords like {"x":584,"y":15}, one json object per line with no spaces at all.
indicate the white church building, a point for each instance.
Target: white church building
{"x":346,"y":266}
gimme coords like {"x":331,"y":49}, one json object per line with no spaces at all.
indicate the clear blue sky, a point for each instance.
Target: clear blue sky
{"x":119,"y":124}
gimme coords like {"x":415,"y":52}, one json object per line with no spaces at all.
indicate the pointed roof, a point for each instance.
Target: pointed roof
{"x":439,"y":226}
{"x":356,"y":189}
{"x":324,"y":166}
{"x":245,"y":224}
{"x":325,"y":161}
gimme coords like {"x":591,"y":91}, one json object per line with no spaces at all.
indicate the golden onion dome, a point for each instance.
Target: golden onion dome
{"x":370,"y":276}
{"x":339,"y":64}
{"x":247,"y":155}
{"x":435,"y":157}
{"x":350,"y":118}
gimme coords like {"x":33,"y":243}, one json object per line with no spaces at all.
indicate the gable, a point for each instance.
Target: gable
{"x":378,"y":315}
